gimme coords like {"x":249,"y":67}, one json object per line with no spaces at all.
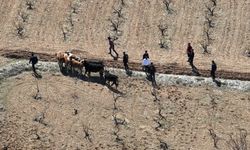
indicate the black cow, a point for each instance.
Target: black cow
{"x":93,"y":66}
{"x":108,"y":77}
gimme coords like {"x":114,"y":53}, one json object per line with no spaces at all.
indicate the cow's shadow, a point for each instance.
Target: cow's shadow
{"x":77,"y":75}
{"x":93,"y":79}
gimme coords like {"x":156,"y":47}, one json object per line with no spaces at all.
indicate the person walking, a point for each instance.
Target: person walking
{"x":152,"y":71}
{"x":145,"y":55}
{"x":33,"y":60}
{"x":125,"y":61}
{"x":190,"y":54}
{"x":213,"y":70}
{"x":112,"y":46}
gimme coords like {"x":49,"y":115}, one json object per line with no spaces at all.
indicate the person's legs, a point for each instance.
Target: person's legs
{"x":188,"y":55}
{"x":191,"y":61}
{"x":110,"y":47}
{"x":213,"y":75}
{"x":126,"y":66}
{"x":117,"y":55}
{"x":34,"y":69}
{"x":153,"y":79}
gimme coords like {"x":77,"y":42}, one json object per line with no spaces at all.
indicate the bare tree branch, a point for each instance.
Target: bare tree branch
{"x":210,"y":10}
{"x":167,"y":5}
{"x":214,"y":2}
{"x":214,"y":137}
{"x":118,"y":11}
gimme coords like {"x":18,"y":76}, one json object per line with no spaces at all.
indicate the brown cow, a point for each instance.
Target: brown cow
{"x":62,"y":59}
{"x":65,"y":59}
{"x":77,"y":65}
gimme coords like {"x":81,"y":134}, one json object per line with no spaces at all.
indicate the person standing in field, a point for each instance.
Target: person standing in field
{"x":152,"y":71}
{"x":213,"y":70}
{"x":145,"y":55}
{"x":125,"y":61}
{"x":33,"y":60}
{"x":190,"y":54}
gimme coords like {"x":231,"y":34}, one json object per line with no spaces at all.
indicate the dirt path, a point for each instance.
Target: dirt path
{"x":161,"y":68}
{"x":19,"y":66}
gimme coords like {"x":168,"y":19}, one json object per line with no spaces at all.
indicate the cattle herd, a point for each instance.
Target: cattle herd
{"x":72,"y":63}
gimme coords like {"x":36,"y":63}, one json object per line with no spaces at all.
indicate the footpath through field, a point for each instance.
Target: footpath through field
{"x":173,"y":68}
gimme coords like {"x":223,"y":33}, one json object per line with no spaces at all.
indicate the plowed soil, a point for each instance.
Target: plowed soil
{"x":75,"y":114}
{"x":60,"y":112}
{"x":53,"y":25}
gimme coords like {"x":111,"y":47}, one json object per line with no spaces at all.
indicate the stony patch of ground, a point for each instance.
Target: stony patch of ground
{"x":4,"y":61}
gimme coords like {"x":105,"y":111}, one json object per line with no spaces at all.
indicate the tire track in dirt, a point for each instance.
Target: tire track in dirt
{"x":226,"y":30}
{"x":243,"y":40}
{"x":222,"y":37}
{"x":90,"y":20}
{"x":133,"y":25}
{"x":152,"y":12}
{"x":97,"y":34}
{"x":232,"y":26}
{"x":246,"y":30}
{"x":137,"y":23}
{"x":128,"y":17}
{"x":237,"y":46}
{"x":181,"y":21}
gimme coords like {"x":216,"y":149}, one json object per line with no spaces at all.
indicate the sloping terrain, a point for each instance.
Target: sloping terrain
{"x":72,"y":114}
{"x":52,"y":25}
{"x":63,"y":112}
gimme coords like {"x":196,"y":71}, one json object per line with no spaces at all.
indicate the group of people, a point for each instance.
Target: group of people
{"x":147,"y":65}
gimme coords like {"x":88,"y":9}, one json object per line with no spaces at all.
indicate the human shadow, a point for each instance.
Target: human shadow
{"x":75,"y":74}
{"x":217,"y":82}
{"x":195,"y":71}
{"x":116,"y":56}
{"x":152,"y":80}
{"x":36,"y":75}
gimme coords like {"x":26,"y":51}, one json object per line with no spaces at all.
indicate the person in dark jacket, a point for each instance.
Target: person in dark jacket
{"x":213,"y":70}
{"x":112,"y":46}
{"x":190,"y":54}
{"x":33,"y":60}
{"x":125,"y":61}
{"x":152,"y":71}
{"x":145,"y":55}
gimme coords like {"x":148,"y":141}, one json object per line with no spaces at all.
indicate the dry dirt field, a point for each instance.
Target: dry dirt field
{"x":76,"y":114}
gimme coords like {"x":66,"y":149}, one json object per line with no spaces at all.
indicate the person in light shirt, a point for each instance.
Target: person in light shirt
{"x":146,"y":62}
